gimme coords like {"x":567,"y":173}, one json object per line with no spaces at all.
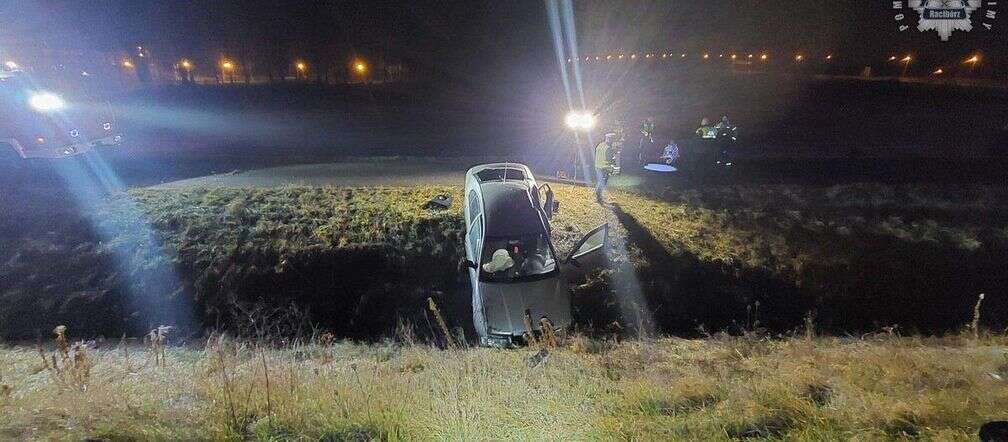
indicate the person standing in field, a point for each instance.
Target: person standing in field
{"x":603,"y":165}
{"x":646,"y":139}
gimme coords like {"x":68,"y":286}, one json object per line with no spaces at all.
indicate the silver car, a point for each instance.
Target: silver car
{"x":510,"y":258}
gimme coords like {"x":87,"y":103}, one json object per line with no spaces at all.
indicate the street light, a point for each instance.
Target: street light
{"x":11,"y":65}
{"x":186,"y":64}
{"x":939,"y":71}
{"x":798,"y":58}
{"x":763,"y":57}
{"x":227,"y":67}
{"x":972,"y":62}
{"x":906,"y":64}
{"x":579,"y":121}
{"x":360,"y":67}
{"x":126,"y":63}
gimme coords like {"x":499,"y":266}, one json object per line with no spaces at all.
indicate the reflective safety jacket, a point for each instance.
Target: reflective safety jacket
{"x":602,"y":156}
{"x":707,"y":132}
{"x":647,"y":129}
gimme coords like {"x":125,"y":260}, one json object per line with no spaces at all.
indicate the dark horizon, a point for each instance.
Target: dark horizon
{"x":476,"y":36}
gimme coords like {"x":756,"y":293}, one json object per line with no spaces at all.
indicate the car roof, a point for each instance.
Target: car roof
{"x":509,"y":209}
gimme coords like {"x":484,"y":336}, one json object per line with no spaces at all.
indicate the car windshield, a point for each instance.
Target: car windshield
{"x":515,"y":259}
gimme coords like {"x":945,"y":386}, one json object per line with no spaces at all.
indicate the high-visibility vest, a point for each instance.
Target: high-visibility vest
{"x":602,"y":156}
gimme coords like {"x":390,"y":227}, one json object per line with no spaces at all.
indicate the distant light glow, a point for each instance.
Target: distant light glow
{"x":580,"y":120}
{"x":799,"y":57}
{"x":46,"y":102}
{"x":227,"y":65}
{"x":11,"y":65}
{"x":939,"y":71}
{"x":763,"y":57}
{"x":360,"y":67}
{"x":972,"y":60}
{"x":186,"y":64}
{"x":127,"y":64}
{"x":300,"y":66}
{"x":907,"y":59}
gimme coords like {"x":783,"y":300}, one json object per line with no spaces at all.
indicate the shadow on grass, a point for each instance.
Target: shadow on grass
{"x":921,"y":287}
{"x":686,"y":293}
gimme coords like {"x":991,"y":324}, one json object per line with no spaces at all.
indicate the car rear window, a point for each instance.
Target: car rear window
{"x":500,"y":174}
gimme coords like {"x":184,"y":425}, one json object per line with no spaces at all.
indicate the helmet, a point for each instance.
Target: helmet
{"x":705,"y":122}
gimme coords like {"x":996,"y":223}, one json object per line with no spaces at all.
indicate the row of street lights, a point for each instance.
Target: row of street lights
{"x":973,"y":61}
{"x":227,"y":66}
{"x":798,"y":58}
{"x":706,"y":56}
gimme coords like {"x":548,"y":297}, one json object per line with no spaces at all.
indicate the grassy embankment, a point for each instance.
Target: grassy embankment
{"x":857,"y":258}
{"x":373,"y":256}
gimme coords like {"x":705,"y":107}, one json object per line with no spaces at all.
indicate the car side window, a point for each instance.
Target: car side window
{"x":474,"y":205}
{"x":474,"y":236}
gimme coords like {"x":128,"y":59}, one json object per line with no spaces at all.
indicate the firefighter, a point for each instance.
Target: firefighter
{"x":603,"y":164}
{"x":646,"y":140}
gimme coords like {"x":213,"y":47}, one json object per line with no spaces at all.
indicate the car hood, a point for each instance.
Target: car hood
{"x":504,"y":304}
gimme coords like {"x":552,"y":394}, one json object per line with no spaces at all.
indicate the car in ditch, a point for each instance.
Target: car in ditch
{"x":53,"y":117}
{"x":516,"y":278}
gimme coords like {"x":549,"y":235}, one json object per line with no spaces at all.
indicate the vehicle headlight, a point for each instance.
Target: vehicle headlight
{"x":46,"y":102}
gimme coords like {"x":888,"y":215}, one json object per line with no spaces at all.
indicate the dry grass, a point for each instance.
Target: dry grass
{"x":759,"y":252}
{"x":720,"y":388}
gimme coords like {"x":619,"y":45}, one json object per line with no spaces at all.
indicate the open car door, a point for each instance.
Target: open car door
{"x":590,"y":254}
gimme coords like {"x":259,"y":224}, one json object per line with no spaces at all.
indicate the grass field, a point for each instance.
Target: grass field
{"x":880,"y":387}
{"x":291,"y":272}
{"x":356,"y":261}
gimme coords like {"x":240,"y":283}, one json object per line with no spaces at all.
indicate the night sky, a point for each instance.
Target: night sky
{"x":478,"y":35}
